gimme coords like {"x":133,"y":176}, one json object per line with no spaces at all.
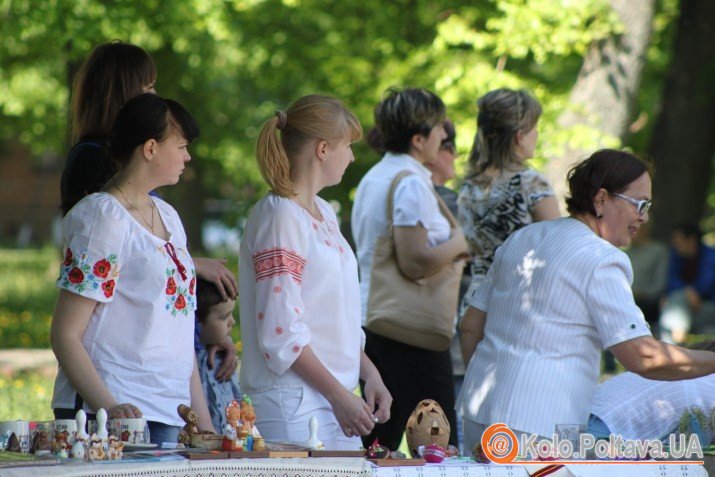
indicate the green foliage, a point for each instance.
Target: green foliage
{"x":27,"y":296}
{"x":26,"y":395}
{"x":232,"y":63}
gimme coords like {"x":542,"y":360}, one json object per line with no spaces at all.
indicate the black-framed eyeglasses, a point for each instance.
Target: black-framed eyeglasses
{"x":642,"y":205}
{"x":448,"y":146}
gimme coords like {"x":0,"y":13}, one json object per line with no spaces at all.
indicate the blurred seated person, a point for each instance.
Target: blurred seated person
{"x":635,"y":407}
{"x":649,"y":259}
{"x":690,"y":289}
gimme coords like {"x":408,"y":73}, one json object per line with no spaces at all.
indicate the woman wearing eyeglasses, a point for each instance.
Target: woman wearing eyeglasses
{"x":558,"y":293}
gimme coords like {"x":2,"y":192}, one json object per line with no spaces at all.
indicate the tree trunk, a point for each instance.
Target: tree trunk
{"x":604,"y":94}
{"x":683,"y":140}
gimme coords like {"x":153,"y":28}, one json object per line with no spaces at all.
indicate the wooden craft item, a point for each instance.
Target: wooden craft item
{"x":427,"y":425}
{"x":397,"y":462}
{"x":336,"y":453}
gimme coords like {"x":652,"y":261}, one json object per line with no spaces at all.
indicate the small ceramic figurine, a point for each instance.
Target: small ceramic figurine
{"x":192,"y":424}
{"x":116,"y":448}
{"x":102,"y":428}
{"x":248,"y":414}
{"x":41,"y":444}
{"x":60,"y":446}
{"x":377,"y":451}
{"x":230,"y":439}
{"x":313,"y":442}
{"x":96,"y":452}
{"x":79,"y":452}
{"x":233,"y":415}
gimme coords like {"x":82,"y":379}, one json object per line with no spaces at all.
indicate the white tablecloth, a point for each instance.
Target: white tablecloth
{"x":331,"y":467}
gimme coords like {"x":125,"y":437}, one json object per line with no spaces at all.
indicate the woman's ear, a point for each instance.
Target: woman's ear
{"x":417,"y":142}
{"x":599,"y":201}
{"x":518,"y":138}
{"x":149,"y":149}
{"x":321,"y":149}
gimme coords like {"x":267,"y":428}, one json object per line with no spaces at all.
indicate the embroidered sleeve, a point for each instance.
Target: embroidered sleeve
{"x":93,"y":240}
{"x":279,"y":259}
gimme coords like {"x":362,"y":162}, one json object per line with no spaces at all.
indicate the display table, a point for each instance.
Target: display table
{"x":329,"y":467}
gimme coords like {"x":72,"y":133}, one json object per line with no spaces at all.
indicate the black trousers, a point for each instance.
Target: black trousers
{"x":411,"y":375}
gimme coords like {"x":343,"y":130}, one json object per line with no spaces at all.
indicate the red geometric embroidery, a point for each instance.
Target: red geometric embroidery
{"x":315,"y":226}
{"x":341,"y":249}
{"x":296,"y":348}
{"x":297,"y":310}
{"x":260,"y":316}
{"x":327,"y":243}
{"x":279,"y":330}
{"x":278,"y":261}
{"x":276,"y":290}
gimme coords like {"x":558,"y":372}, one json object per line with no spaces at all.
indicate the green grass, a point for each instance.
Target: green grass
{"x":27,"y":396}
{"x":27,"y":296}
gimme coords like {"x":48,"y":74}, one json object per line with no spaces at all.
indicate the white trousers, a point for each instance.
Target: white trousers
{"x":282,"y":415}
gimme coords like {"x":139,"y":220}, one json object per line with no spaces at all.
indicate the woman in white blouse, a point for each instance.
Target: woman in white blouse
{"x":558,"y":293}
{"x":123,"y":325}
{"x":410,"y":126}
{"x":300,"y":310}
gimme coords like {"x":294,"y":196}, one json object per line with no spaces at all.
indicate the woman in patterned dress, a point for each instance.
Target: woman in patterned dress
{"x":500,"y":194}
{"x":300,"y":298}
{"x":123,"y":325}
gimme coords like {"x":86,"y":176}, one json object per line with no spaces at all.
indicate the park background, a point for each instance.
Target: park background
{"x":637,"y":74}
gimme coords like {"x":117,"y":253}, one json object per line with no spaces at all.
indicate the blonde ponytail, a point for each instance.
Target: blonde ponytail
{"x":308,"y":118}
{"x":273,"y":160}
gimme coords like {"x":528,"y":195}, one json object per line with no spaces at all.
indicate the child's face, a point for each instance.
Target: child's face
{"x":218,"y":323}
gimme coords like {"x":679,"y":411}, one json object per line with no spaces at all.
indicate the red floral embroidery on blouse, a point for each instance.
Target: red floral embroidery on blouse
{"x":276,"y":290}
{"x":261,"y":316}
{"x":170,"y":286}
{"x":279,"y":330}
{"x":108,"y":288}
{"x":75,"y":276}
{"x":68,"y":258}
{"x":315,"y":226}
{"x":278,"y":261}
{"x":297,"y":310}
{"x":101,"y":268}
{"x":341,"y":249}
{"x":296,"y":348}
{"x":327,"y":243}
{"x":180,"y":302}
{"x":192,"y":285}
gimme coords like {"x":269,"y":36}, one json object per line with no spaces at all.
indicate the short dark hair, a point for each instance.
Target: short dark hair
{"x":145,"y":117}
{"x":689,"y":230}
{"x":207,"y":296}
{"x":607,"y":169}
{"x":404,"y":113}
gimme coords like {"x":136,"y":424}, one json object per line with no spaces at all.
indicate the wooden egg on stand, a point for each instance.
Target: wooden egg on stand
{"x":427,"y":425}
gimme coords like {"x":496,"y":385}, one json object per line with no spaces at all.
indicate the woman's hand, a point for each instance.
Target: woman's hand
{"x":230,"y":361}
{"x":352,"y":413}
{"x":124,"y":411}
{"x":215,"y":271}
{"x":376,"y":393}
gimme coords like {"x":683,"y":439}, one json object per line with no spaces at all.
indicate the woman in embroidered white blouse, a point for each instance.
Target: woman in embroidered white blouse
{"x":300,"y":299}
{"x":122,"y":329}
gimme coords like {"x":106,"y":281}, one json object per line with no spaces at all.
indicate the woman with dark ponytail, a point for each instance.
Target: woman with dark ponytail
{"x":300,"y":298}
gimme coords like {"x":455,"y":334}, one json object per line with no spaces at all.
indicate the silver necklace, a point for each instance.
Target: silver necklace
{"x":151,"y":204}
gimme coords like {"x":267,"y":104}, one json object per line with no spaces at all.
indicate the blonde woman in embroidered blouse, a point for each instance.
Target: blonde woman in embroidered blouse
{"x":500,"y":194}
{"x":122,"y":329}
{"x":300,"y":299}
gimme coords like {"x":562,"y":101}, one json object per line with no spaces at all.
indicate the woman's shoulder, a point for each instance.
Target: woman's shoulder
{"x":97,"y":212}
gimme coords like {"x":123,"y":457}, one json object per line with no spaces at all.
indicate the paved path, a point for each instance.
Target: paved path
{"x":14,"y":360}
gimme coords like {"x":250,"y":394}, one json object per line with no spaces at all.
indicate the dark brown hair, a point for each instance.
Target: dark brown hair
{"x":606,"y":169}
{"x":114,"y":73}
{"x":207,"y":296}
{"x":145,"y":117}
{"x":404,"y":113}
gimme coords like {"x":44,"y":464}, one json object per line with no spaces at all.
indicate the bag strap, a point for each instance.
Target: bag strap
{"x":444,"y":210}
